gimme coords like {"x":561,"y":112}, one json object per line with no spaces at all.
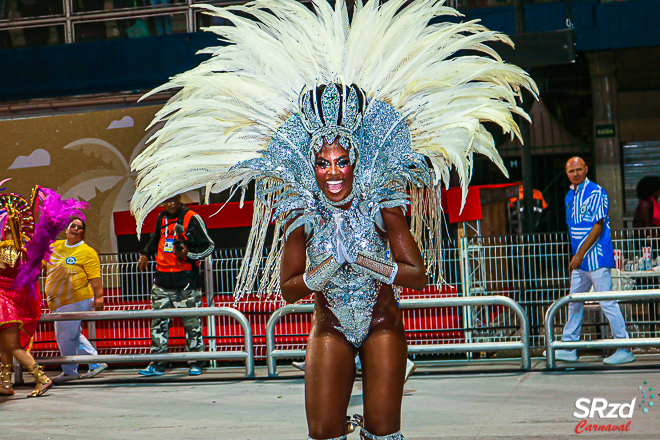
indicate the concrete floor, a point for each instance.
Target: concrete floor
{"x":447,"y":402}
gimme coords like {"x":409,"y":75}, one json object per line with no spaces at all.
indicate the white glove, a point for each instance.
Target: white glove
{"x":342,"y":246}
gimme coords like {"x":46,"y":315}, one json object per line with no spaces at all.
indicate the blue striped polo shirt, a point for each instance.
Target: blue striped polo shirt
{"x":584,"y":208}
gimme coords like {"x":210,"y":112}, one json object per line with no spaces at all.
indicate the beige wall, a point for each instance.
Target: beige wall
{"x":83,"y":155}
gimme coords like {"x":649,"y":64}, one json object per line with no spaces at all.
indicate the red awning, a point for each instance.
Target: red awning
{"x":231,"y":216}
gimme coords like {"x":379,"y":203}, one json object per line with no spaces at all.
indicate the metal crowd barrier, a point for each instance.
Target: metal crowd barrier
{"x":552,"y":345}
{"x":272,"y":354}
{"x":247,"y":355}
{"x":532,"y":269}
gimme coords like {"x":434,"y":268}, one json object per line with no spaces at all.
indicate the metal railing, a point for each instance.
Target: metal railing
{"x":552,"y":345}
{"x":68,"y":15}
{"x":247,"y":355}
{"x":522,"y":344}
{"x":69,"y":18}
{"x":532,"y":269}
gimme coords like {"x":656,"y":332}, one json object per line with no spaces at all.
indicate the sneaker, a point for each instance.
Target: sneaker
{"x":94,"y":372}
{"x":65,"y":378}
{"x":151,"y":370}
{"x":410,"y":367}
{"x":194,"y":371}
{"x":299,"y":365}
{"x":566,"y":355}
{"x":620,"y":357}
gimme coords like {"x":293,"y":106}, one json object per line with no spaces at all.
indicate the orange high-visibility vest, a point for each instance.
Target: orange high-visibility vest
{"x":166,"y":261}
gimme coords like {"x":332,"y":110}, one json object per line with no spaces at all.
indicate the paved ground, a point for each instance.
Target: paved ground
{"x":446,"y":402}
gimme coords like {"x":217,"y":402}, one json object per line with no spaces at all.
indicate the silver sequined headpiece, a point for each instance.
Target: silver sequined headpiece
{"x":337,"y":113}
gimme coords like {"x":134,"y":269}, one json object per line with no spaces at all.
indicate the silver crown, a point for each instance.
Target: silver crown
{"x":339,"y":114}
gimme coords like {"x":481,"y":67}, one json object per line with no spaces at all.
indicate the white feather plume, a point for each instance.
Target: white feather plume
{"x":230,"y":106}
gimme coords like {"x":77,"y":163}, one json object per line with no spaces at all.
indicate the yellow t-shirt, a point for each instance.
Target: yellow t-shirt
{"x":69,"y":270}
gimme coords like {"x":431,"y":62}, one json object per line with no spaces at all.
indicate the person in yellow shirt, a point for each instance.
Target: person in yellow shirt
{"x":73,"y":284}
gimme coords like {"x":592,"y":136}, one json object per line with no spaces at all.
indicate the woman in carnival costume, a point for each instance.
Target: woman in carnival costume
{"x":342,"y":122}
{"x":25,"y":243}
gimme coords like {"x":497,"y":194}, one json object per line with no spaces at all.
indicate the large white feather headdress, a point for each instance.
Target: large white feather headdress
{"x":230,"y":107}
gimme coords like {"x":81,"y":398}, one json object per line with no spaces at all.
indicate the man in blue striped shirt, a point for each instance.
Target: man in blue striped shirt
{"x":593,"y":257}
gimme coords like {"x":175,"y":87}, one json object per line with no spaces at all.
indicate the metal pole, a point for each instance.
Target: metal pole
{"x":68,"y":26}
{"x":526,"y":149}
{"x":607,"y":150}
{"x":519,"y":8}
{"x":209,"y":285}
{"x":210,"y":302}
{"x":465,"y":280}
{"x":270,"y":331}
{"x":18,"y":373}
{"x":164,"y":357}
{"x":528,"y":185}
{"x":91,"y":329}
{"x":191,"y":18}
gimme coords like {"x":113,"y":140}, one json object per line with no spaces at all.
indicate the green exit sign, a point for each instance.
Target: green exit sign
{"x":605,"y":131}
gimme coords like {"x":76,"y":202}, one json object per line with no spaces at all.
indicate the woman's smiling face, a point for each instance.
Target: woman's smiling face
{"x":334,"y":172}
{"x":76,"y":231}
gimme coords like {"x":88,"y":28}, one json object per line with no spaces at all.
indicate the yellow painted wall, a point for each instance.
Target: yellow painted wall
{"x":83,"y":155}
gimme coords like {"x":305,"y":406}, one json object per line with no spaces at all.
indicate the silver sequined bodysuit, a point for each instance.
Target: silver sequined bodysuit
{"x":351,"y":294}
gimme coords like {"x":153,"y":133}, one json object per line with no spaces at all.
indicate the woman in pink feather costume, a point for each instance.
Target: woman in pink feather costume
{"x":23,"y":246}
{"x":20,"y":311}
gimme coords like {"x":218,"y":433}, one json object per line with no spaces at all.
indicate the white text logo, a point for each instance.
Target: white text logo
{"x":589,"y":408}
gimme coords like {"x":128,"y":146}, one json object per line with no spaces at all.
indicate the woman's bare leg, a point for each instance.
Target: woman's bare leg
{"x":383,"y":355}
{"x":11,"y":343}
{"x":5,"y":356}
{"x":6,"y":367}
{"x":329,"y":377}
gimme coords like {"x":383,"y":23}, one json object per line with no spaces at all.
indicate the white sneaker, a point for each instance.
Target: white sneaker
{"x":65,"y":378}
{"x":94,"y":372}
{"x":564,"y":355}
{"x":410,"y":367}
{"x":620,"y":357}
{"x":299,"y":365}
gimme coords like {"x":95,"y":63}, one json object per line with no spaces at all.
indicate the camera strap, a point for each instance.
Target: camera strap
{"x":181,"y":216}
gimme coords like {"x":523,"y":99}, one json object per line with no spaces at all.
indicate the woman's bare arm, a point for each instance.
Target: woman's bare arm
{"x":97,"y":287}
{"x":406,"y":253}
{"x":293,"y":267}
